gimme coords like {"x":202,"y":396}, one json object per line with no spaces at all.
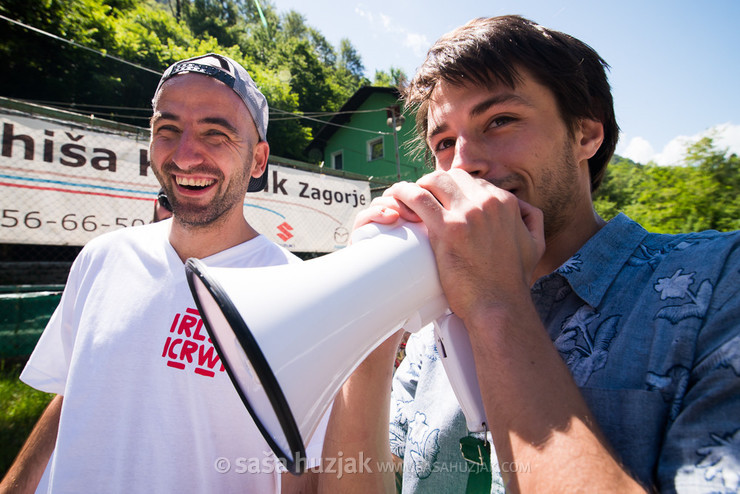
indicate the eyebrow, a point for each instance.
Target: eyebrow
{"x":222,"y":122}
{"x":481,"y":108}
{"x":219,"y":121}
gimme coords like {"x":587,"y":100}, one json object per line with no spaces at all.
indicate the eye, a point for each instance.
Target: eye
{"x":217,"y":136}
{"x":166,"y":130}
{"x":500,"y":121}
{"x":213,"y":137}
{"x":443,"y":144}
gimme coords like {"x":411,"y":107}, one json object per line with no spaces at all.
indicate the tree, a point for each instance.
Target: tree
{"x":617,"y":188}
{"x":723,"y":171}
{"x":394,"y":78}
{"x":325,"y":51}
{"x":296,"y":67}
{"x":701,"y":194}
{"x":40,"y":67}
{"x":350,"y":60}
{"x":294,"y":25}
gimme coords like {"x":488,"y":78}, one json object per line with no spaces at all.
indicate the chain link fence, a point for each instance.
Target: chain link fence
{"x":66,"y":178}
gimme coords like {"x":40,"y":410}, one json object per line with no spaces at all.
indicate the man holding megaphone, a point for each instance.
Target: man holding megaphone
{"x":607,"y":356}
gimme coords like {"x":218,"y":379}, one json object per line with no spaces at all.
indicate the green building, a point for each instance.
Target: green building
{"x":360,"y":138}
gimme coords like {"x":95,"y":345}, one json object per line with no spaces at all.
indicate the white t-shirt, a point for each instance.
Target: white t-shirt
{"x":147,"y":404}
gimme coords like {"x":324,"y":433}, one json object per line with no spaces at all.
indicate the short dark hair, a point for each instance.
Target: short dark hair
{"x":494,"y":50}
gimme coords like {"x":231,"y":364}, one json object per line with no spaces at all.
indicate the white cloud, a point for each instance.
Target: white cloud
{"x":674,"y":152}
{"x":728,"y":135}
{"x":386,"y":21}
{"x":638,"y":149}
{"x":364,"y":13}
{"x":418,"y":43}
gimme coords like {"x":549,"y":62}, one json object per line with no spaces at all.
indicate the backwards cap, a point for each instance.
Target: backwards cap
{"x":237,"y":78}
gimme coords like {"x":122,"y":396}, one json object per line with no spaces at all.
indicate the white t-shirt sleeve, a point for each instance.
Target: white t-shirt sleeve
{"x":48,"y":366}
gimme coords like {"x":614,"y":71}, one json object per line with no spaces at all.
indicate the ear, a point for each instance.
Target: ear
{"x":589,"y":138}
{"x":259,"y":158}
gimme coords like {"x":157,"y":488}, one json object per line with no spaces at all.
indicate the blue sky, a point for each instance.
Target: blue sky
{"x":675,"y":65}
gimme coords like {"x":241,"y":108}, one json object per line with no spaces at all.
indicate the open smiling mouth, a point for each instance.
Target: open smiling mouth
{"x":194,"y":183}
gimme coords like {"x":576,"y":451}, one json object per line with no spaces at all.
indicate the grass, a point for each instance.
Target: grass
{"x":21,"y":407}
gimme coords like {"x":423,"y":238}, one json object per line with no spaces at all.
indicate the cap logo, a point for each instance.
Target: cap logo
{"x":208,"y":70}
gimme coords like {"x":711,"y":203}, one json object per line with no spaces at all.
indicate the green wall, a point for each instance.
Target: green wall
{"x":353,"y":142}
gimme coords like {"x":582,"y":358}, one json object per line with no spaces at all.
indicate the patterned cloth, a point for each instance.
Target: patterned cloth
{"x":649,"y":326}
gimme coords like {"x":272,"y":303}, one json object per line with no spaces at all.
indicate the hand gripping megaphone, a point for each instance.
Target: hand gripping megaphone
{"x":290,"y":335}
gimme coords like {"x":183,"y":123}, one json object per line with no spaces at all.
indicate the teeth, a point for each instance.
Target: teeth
{"x":194,"y":182}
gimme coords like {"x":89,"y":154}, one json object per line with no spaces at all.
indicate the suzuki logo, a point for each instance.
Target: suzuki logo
{"x":285,"y":234}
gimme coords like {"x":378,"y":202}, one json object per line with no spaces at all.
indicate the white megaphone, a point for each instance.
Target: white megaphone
{"x":290,"y":335}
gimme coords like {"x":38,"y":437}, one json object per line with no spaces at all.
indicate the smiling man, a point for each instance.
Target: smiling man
{"x":143,"y":403}
{"x":608,"y":357}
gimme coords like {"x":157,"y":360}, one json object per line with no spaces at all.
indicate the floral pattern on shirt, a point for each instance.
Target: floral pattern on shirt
{"x":584,"y":351}
{"x":720,"y":460}
{"x":649,"y":326}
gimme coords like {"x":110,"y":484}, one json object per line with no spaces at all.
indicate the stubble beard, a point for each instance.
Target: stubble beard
{"x":224,"y":201}
{"x":559,"y":192}
{"x":556,"y":191}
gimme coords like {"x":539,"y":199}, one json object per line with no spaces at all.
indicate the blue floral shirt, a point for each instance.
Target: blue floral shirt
{"x":649,"y":325}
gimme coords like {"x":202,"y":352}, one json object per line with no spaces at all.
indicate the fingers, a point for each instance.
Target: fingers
{"x":447,"y":195}
{"x":385,"y":210}
{"x":534,"y":221}
{"x":416,"y":200}
{"x":375,"y":214}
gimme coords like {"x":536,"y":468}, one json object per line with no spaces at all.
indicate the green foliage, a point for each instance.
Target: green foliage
{"x":701,"y":194}
{"x":22,"y":406}
{"x":209,"y":18}
{"x":349,"y":59}
{"x":297,"y":68}
{"x":394,"y":78}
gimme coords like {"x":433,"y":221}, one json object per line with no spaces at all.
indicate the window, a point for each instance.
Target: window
{"x":375,"y":149}
{"x":336,"y":160}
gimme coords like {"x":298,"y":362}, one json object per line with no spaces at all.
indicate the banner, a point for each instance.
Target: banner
{"x":304,"y":211}
{"x":63,"y":184}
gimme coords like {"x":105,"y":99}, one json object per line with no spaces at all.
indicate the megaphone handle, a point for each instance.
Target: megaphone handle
{"x":456,"y":352}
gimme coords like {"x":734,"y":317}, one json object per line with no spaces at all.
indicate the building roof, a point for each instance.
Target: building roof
{"x":344,"y":114}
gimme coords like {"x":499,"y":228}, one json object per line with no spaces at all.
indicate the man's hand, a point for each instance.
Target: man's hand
{"x":385,"y":210}
{"x":486,"y":241}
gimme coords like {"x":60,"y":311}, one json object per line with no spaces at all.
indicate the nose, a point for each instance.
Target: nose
{"x":471,"y":156}
{"x":188,"y":151}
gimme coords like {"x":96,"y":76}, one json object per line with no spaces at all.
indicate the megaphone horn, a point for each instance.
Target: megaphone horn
{"x":290,"y":335}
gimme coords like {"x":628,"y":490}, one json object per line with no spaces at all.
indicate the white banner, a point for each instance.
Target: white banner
{"x":63,"y":185}
{"x":305,"y":211}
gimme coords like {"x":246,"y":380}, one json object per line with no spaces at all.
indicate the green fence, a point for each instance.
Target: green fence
{"x":24,"y":312}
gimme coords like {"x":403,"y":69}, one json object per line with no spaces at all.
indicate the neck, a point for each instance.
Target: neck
{"x":203,"y":241}
{"x":566,"y":242}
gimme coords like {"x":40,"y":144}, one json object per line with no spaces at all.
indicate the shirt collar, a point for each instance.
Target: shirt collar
{"x":592,"y":269}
